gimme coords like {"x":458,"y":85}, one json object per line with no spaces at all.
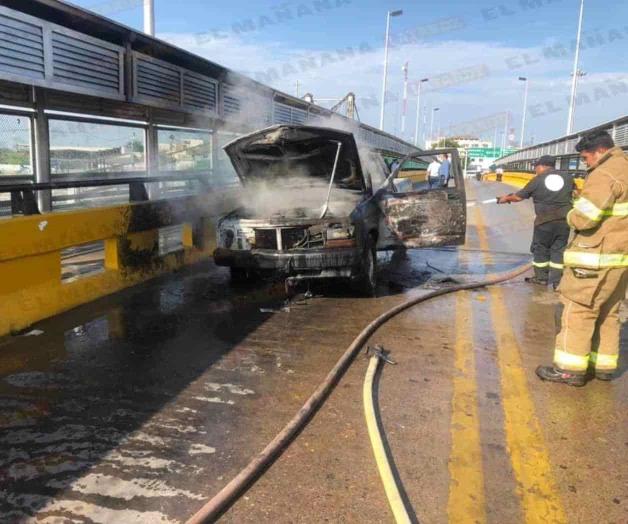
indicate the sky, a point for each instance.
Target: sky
{"x":473,"y":53}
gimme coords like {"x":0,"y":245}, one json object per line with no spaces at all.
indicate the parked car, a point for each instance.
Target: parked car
{"x":316,"y":207}
{"x":473,"y":170}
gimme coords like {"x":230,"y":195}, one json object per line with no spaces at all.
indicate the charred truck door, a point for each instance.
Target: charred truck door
{"x":424,"y":202}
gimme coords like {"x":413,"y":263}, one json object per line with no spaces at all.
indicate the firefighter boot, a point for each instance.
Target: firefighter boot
{"x":606,"y":376}
{"x":552,"y":374}
{"x":536,"y":280}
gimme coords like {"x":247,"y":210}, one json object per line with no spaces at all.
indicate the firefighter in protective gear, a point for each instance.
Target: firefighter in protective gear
{"x":596,"y":268}
{"x":552,"y":193}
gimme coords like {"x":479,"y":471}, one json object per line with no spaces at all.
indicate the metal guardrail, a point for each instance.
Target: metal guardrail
{"x":564,"y":147}
{"x":577,"y":173}
{"x":520,"y":178}
{"x":23,"y":200}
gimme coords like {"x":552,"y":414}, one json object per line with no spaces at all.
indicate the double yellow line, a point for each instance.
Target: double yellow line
{"x":525,"y":442}
{"x":466,"y":493}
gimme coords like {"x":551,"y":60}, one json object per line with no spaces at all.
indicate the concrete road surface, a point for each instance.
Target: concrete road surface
{"x":139,"y":407}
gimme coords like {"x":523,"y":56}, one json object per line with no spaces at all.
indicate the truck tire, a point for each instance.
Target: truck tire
{"x":239,"y":275}
{"x":367,"y":282}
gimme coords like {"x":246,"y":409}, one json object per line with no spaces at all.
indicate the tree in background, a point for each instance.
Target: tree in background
{"x":446,"y":142}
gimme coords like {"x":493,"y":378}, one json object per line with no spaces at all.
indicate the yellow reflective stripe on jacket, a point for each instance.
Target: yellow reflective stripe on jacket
{"x":541,"y":264}
{"x":618,"y":210}
{"x":592,"y":212}
{"x":595,"y":260}
{"x":604,"y":361}
{"x":570,"y":362}
{"x":588,"y":209}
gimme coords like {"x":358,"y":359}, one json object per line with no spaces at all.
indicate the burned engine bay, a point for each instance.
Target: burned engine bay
{"x":301,"y":185}
{"x":282,"y":233}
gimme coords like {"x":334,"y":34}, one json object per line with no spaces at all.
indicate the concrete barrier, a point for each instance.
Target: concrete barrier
{"x":519,"y":180}
{"x":31,"y":283}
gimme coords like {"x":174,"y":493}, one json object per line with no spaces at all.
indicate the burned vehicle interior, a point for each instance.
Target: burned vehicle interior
{"x":422,"y":212}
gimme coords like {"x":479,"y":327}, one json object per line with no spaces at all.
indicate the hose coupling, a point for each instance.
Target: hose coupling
{"x":381,"y":353}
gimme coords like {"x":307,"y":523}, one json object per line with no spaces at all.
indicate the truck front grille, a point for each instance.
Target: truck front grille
{"x":266,"y":239}
{"x":290,"y":237}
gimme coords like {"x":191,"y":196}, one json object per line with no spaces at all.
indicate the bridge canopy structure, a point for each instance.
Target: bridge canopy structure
{"x":112,"y":169}
{"x":564,"y":148}
{"x":82,"y":96}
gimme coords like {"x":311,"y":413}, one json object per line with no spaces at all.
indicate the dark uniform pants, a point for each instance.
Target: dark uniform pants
{"x":548,"y":245}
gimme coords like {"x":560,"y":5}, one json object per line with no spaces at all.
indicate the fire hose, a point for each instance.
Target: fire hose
{"x":229,"y":494}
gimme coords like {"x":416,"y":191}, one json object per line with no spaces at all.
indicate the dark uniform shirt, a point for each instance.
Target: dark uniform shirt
{"x":552,"y":193}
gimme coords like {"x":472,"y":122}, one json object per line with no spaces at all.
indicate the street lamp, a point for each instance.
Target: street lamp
{"x":432,"y":124}
{"x":149,"y":17}
{"x":418,"y":110}
{"x":506,"y":124}
{"x":578,"y":76}
{"x":525,"y":110}
{"x":576,"y":66}
{"x":399,"y":12}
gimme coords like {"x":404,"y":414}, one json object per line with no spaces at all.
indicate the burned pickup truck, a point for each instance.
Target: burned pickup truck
{"x":315,"y":207}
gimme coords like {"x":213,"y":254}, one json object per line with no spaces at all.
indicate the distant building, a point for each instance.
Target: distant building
{"x":482,"y":153}
{"x":465,"y":142}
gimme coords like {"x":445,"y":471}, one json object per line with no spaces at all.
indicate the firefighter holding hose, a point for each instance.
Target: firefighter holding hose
{"x":552,"y":193}
{"x":596,"y":268}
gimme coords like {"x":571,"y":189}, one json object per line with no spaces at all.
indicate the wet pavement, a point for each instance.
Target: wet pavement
{"x":141,"y":406}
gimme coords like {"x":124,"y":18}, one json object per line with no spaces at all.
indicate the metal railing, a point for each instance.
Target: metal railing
{"x":24,"y":201}
{"x":564,"y":147}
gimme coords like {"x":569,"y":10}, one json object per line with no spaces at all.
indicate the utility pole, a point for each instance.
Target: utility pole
{"x":434,"y":109}
{"x":390,"y":14}
{"x":525,"y":110}
{"x":505,"y":131}
{"x":418,"y":110}
{"x":404,"y":108}
{"x":579,"y":75}
{"x":576,"y":66}
{"x":438,"y":130}
{"x":149,"y":17}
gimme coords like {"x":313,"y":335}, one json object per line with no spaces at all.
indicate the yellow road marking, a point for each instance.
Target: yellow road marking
{"x":526,"y":444}
{"x":466,"y":487}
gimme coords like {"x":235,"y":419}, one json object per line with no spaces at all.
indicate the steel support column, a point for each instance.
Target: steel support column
{"x":41,"y":140}
{"x":152,"y":159}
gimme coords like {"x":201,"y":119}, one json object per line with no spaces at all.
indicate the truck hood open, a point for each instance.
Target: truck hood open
{"x":293,"y":156}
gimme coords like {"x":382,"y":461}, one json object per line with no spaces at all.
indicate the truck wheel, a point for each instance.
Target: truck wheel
{"x":239,"y":275}
{"x":367,"y":283}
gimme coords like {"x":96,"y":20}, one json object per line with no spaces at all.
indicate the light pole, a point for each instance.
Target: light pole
{"x":438,"y":130}
{"x":525,"y":110}
{"x":405,"y":98}
{"x":399,"y":12}
{"x":434,"y":109}
{"x":579,"y":75}
{"x":149,"y":17}
{"x":418,"y":110}
{"x":576,"y":66}
{"x":506,"y":131}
